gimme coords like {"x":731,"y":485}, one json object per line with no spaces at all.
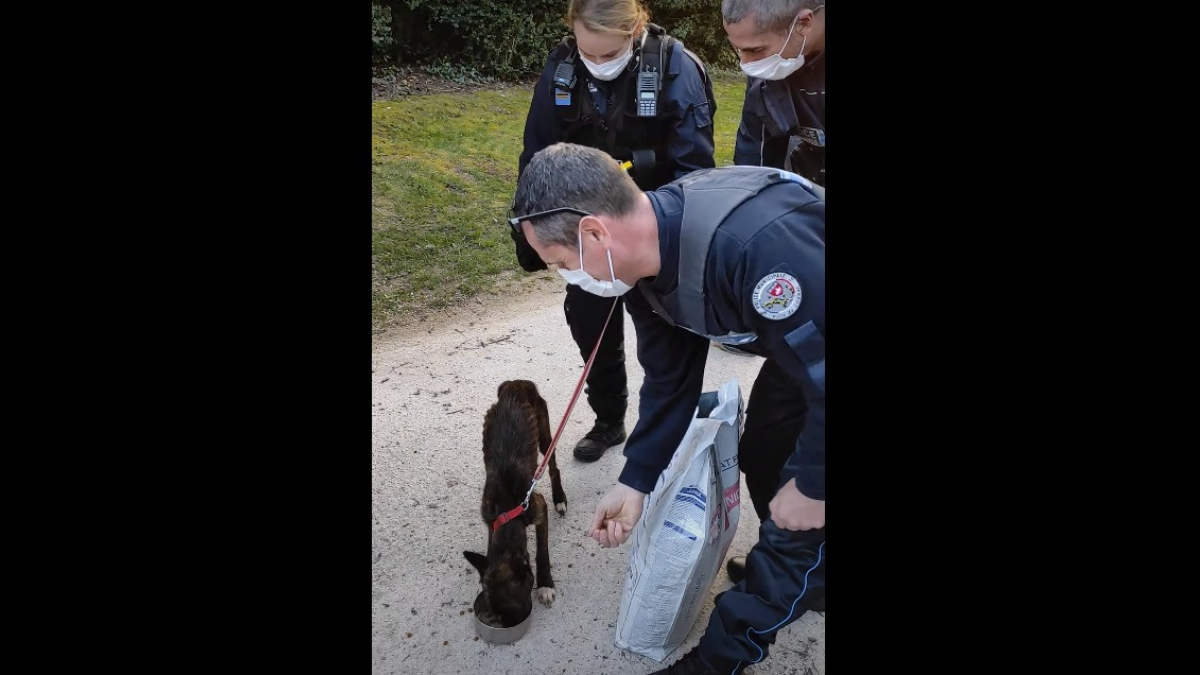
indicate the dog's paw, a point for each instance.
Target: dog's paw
{"x":545,"y":596}
{"x":561,"y":507}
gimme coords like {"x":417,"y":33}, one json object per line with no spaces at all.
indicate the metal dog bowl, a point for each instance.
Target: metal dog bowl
{"x":499,"y":636}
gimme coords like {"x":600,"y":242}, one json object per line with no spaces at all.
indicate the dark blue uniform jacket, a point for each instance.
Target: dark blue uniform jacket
{"x":683,"y":100}
{"x":684,"y":116}
{"x":783,"y":123}
{"x":782,"y":230}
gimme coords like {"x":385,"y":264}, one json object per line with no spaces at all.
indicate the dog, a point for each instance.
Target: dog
{"x":515,"y":430}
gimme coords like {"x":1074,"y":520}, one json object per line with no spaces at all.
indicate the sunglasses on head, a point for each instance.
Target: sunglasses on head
{"x":515,"y":223}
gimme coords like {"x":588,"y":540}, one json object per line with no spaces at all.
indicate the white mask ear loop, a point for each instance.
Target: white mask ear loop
{"x":611,"y":273}
{"x":789,"y":38}
{"x":579,"y":236}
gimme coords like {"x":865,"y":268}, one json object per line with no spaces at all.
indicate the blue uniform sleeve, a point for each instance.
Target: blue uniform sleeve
{"x":541,"y":124}
{"x":747,"y":146}
{"x":690,"y":144}
{"x":673,"y":360}
{"x":796,"y":248}
{"x":807,"y":463}
{"x":541,"y":130}
{"x":753,"y":146}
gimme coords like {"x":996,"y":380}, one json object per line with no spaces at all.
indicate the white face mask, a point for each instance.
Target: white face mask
{"x":609,"y":70}
{"x":775,"y":67}
{"x":604,"y":289}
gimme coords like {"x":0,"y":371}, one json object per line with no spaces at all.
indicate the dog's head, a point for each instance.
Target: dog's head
{"x":507,"y":588}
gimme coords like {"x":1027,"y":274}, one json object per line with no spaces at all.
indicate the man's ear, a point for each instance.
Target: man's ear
{"x":477,"y":561}
{"x":592,"y":229}
{"x":805,"y":22}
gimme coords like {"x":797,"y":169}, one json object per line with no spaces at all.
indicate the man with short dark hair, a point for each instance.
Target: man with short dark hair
{"x":781,"y":45}
{"x":736,"y":255}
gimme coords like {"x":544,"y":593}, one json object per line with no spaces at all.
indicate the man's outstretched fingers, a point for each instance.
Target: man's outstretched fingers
{"x":616,"y":535}
{"x":597,"y":521}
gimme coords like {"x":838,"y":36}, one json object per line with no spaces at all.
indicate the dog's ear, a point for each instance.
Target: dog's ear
{"x":477,"y":561}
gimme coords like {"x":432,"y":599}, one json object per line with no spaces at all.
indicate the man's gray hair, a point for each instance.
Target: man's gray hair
{"x":565,"y":174}
{"x":770,"y":15}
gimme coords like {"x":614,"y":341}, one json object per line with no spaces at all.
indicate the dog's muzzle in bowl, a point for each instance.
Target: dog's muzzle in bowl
{"x":496,"y":635}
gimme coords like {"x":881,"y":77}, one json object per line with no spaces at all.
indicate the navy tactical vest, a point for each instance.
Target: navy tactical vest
{"x":619,"y":131}
{"x":709,"y":196}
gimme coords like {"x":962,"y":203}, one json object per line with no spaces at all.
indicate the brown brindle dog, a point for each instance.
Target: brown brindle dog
{"x":515,"y":429}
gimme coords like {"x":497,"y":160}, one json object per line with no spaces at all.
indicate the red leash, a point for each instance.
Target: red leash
{"x":524,"y":506}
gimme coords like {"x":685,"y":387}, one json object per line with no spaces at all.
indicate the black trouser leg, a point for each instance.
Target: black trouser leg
{"x":775,"y":417}
{"x":784,"y":569}
{"x":607,"y":390}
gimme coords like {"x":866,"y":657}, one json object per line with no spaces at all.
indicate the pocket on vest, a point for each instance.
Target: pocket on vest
{"x":809,"y":345}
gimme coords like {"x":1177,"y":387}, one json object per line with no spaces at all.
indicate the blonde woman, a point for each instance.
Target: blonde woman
{"x":621,"y":84}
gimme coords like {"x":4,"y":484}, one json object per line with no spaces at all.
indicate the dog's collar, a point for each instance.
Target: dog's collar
{"x":587,"y":368}
{"x":509,"y":515}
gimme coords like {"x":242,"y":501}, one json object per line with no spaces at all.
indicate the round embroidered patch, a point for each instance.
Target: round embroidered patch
{"x":777,"y":296}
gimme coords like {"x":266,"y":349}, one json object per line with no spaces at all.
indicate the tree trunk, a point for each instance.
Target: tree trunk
{"x":401,"y":28}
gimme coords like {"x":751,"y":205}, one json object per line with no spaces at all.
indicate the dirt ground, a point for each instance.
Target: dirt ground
{"x":432,"y":381}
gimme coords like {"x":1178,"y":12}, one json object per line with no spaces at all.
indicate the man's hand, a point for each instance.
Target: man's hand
{"x":791,"y":510}
{"x":616,"y":514}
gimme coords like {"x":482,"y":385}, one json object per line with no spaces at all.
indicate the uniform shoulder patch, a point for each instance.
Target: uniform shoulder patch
{"x":777,"y":296}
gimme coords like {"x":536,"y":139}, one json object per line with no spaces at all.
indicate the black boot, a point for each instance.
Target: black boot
{"x":736,"y":568}
{"x":691,"y":664}
{"x":603,"y":436}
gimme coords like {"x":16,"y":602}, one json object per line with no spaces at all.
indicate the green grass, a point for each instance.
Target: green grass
{"x":729,"y":90}
{"x":443,"y":170}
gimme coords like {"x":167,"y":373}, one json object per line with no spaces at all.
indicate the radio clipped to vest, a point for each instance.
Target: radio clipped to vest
{"x":624,"y":117}
{"x":649,"y":79}
{"x":647,"y":92}
{"x":564,"y":80}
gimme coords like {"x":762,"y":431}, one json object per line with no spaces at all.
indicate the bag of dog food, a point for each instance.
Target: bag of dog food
{"x":687,"y":525}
